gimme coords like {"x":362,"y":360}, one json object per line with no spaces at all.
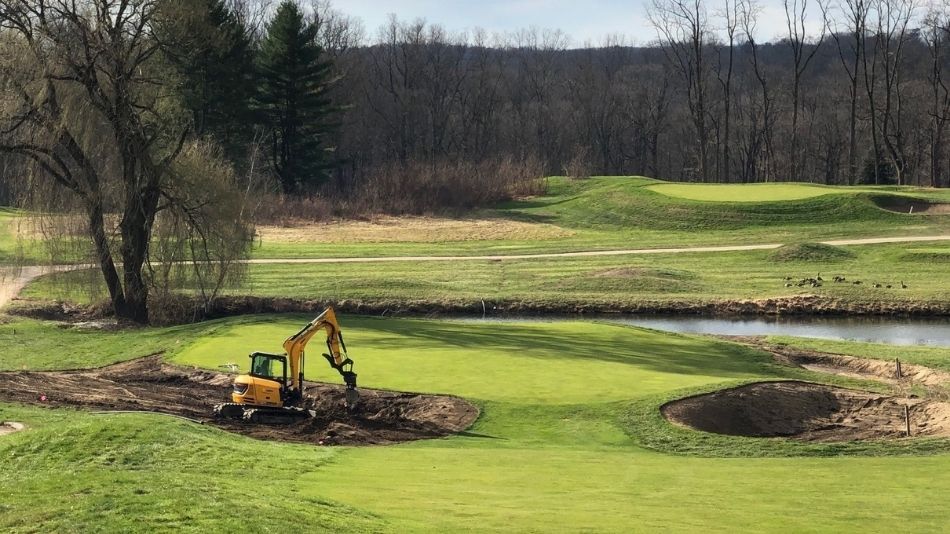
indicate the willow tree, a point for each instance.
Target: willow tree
{"x":89,"y":101}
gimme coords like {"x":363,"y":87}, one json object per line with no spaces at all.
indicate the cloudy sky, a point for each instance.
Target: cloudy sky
{"x":583,"y":20}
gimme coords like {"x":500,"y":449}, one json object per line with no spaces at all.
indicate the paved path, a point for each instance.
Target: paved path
{"x":13,"y":280}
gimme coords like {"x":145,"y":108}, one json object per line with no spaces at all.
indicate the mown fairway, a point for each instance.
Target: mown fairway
{"x":607,"y":281}
{"x":567,"y":409}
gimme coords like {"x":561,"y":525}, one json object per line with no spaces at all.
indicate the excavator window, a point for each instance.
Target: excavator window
{"x":268,"y":366}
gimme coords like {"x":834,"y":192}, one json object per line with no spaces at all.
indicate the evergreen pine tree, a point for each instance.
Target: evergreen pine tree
{"x":211,"y":51}
{"x":293,"y":100}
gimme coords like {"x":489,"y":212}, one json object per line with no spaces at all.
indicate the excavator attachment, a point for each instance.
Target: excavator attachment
{"x":272,"y":392}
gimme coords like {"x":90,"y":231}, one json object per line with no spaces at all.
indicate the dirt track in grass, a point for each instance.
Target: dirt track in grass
{"x":151,"y":385}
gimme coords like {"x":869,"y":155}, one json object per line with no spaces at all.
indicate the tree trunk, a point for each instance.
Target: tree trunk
{"x":104,"y":256}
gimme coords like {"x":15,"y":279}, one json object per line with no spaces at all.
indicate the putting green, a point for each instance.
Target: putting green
{"x":744,"y":192}
{"x":543,"y":363}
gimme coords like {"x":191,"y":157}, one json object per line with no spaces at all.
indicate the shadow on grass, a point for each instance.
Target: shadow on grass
{"x":657,"y":351}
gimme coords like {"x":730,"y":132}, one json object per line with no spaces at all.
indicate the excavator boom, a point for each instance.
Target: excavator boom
{"x":336,"y":352}
{"x":269,"y":394}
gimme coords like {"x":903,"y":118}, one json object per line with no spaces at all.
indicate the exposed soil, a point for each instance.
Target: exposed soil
{"x":864,"y":368}
{"x":149,"y":384}
{"x":909,"y":205}
{"x":808,"y":412}
{"x":9,"y":427}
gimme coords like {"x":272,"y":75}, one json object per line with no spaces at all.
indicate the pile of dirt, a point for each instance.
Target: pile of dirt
{"x":149,"y":384}
{"x":9,"y":427}
{"x":910,"y":205}
{"x":854,"y":367}
{"x":808,"y":412}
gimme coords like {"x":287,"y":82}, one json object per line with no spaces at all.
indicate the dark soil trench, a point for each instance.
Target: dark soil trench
{"x":151,"y":385}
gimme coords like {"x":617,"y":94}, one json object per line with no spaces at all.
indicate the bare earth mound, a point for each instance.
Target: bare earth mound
{"x":809,"y":412}
{"x":9,"y":427}
{"x":148,"y":384}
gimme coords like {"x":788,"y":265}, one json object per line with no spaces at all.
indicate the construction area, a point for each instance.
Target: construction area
{"x":151,"y":385}
{"x":818,"y":412}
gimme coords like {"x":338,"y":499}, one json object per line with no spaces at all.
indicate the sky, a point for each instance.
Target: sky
{"x":585,"y":21}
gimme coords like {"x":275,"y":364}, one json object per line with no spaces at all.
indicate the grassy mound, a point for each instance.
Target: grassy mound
{"x":811,"y":252}
{"x":927,"y":255}
{"x":617,"y":203}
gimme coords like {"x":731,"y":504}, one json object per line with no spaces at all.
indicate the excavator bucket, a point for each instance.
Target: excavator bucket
{"x":352,"y":398}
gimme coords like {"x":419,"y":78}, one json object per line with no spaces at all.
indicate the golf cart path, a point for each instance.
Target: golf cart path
{"x":591,"y":253}
{"x":12,"y":282}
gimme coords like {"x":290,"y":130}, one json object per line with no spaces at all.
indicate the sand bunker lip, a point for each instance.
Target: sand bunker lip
{"x":910,"y":205}
{"x":808,"y":412}
{"x":149,"y":384}
{"x":9,"y":427}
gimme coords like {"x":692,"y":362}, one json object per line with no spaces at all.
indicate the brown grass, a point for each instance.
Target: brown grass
{"x":409,"y":229}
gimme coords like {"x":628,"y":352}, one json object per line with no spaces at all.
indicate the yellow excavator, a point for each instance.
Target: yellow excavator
{"x":269,"y":395}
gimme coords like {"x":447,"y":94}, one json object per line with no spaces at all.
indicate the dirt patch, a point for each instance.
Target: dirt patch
{"x":149,"y":384}
{"x":9,"y":427}
{"x":851,"y":366}
{"x":409,"y":229}
{"x":809,"y":412}
{"x":910,"y":205}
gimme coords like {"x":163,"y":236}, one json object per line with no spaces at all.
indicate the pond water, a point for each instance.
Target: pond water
{"x":895,"y":331}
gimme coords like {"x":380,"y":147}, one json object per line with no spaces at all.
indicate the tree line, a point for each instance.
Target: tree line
{"x":861,"y":98}
{"x":162,"y":127}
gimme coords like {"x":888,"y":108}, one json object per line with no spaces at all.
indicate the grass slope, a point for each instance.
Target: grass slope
{"x":628,"y":212}
{"x":559,"y":446}
{"x":619,"y":280}
{"x":606,"y":213}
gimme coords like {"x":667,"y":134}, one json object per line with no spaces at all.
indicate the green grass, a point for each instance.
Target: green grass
{"x":569,"y":439}
{"x":633,"y":212}
{"x":607,"y":281}
{"x":772,"y":192}
{"x":811,"y":252}
{"x":627,"y":212}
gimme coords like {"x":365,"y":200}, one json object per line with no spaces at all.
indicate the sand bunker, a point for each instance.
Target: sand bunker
{"x":148,"y":384}
{"x":917,"y":206}
{"x":809,"y":412}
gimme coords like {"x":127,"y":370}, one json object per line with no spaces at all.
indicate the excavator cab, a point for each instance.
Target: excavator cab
{"x":265,"y":384}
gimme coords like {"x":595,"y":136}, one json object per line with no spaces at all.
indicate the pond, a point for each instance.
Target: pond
{"x":891,"y":330}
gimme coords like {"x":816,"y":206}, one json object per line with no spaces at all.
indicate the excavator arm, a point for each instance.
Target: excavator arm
{"x":336,"y":355}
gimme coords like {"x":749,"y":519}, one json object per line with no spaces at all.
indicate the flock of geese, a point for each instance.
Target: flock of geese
{"x":818,"y":281}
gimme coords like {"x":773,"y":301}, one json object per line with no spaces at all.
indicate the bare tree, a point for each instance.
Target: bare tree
{"x":87,"y":104}
{"x":936,"y":33}
{"x":683,"y":30}
{"x":802,"y":55}
{"x":850,"y":49}
{"x":724,"y":73}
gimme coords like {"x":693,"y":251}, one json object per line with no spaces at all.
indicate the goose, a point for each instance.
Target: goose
{"x":903,"y":285}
